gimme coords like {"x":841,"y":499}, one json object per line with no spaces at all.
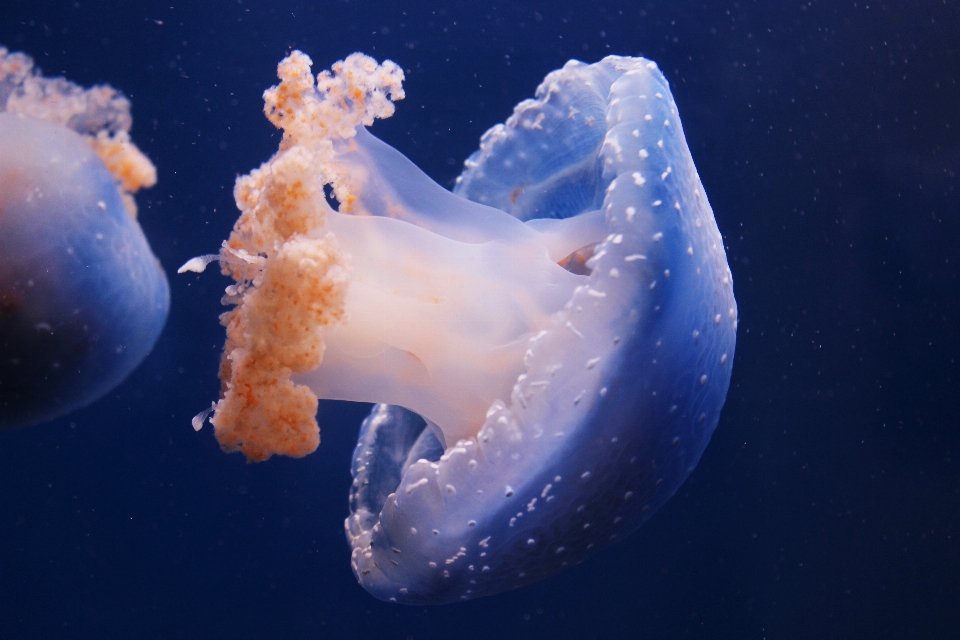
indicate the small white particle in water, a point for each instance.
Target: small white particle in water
{"x":703,"y":380}
{"x":638,"y":179}
{"x":658,"y":236}
{"x":644,"y":154}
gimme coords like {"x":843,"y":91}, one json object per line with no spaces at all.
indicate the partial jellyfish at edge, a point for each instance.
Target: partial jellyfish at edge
{"x":549,"y":346}
{"x":82,"y":298}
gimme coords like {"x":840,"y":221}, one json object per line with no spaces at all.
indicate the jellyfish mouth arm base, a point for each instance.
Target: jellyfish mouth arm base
{"x":436,"y":325}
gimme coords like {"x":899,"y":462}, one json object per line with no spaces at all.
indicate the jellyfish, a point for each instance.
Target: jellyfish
{"x":82,"y":298}
{"x":548,"y":346}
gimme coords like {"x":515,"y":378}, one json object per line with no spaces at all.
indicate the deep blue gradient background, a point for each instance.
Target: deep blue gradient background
{"x":827,"y":135}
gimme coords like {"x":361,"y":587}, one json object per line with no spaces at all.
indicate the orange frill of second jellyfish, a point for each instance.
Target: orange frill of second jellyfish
{"x":127,"y":164}
{"x":70,"y":105}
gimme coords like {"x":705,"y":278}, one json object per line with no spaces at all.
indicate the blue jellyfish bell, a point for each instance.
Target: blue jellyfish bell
{"x":82,"y":298}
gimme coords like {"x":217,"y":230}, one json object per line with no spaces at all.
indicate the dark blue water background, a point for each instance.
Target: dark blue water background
{"x":827,"y":135}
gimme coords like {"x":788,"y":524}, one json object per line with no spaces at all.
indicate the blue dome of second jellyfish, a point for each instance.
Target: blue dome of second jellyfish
{"x":82,"y":298}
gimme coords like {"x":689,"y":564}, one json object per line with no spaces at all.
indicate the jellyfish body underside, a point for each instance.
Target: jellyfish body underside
{"x":617,"y":400}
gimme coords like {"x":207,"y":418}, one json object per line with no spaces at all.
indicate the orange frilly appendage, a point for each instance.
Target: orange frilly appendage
{"x":100,"y":114}
{"x":271,"y":334}
{"x":127,"y":164}
{"x":291,"y":276}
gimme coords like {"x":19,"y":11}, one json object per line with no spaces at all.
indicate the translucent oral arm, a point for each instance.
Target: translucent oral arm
{"x":383,"y":182}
